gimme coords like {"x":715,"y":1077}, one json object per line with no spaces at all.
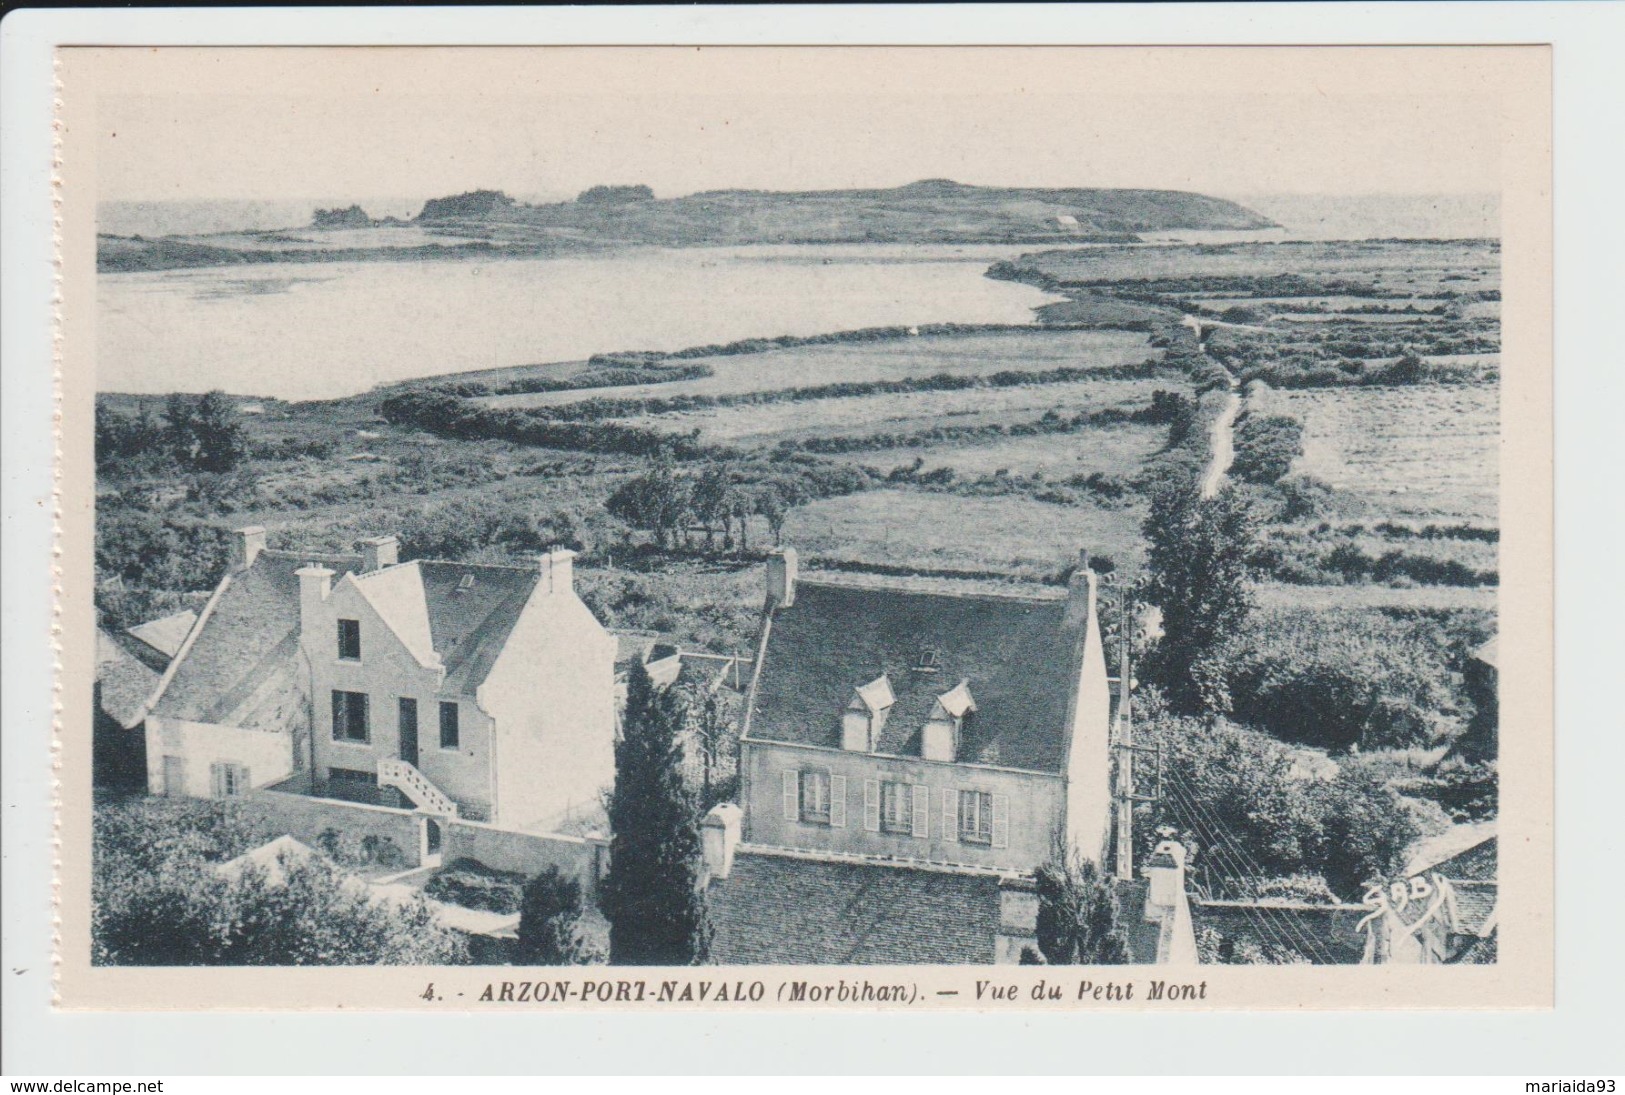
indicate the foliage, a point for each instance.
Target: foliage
{"x":1078,"y":916}
{"x":1214,"y":948}
{"x":1197,"y":564}
{"x":1340,"y":680}
{"x":1266,"y":446}
{"x":550,"y":922}
{"x":158,"y":899}
{"x":1249,"y":813}
{"x":197,"y":433}
{"x":472,"y":885}
{"x":653,"y":895}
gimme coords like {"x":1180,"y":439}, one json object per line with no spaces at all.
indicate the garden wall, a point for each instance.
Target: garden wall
{"x":528,"y":853}
{"x":306,"y":818}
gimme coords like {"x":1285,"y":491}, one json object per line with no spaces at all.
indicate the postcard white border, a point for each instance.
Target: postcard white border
{"x":1589,"y":747}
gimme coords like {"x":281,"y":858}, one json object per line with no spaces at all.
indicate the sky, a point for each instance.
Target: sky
{"x":281,"y":123}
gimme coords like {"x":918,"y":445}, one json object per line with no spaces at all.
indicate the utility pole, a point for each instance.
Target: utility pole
{"x":1125,"y":743}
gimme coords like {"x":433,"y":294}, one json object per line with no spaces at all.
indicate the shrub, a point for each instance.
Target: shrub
{"x":473,"y":885}
{"x":1248,"y":813}
{"x":1266,"y":446}
{"x":1340,"y":680}
{"x":550,"y":922}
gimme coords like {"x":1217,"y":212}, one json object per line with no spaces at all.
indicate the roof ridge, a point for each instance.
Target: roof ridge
{"x":1033,"y":597}
{"x":483,"y":566}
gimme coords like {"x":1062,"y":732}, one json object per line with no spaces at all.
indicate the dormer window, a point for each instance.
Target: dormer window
{"x":929,"y":661}
{"x":865,"y":715}
{"x":466,"y":584}
{"x":944,"y":730}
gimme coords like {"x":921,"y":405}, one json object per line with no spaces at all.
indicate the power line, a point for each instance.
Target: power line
{"x":1236,"y":854}
{"x":1267,"y":932}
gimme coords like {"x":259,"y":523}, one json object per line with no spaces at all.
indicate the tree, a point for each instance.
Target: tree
{"x":653,"y":894}
{"x":709,"y":499}
{"x":658,"y":501}
{"x":1198,"y":572}
{"x":550,"y":921}
{"x":1078,"y":916}
{"x":771,"y":504}
{"x":203,"y":432}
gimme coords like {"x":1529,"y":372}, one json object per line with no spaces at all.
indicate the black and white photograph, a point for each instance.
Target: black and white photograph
{"x":804,"y":508}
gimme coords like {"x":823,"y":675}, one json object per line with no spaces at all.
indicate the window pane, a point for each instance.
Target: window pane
{"x":350,"y":639}
{"x":450,"y":732}
{"x":815,"y":795}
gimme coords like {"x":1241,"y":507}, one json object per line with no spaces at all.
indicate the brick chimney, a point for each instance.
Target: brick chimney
{"x":719,"y":835}
{"x":246,"y":547}
{"x":379,"y":552}
{"x":558,"y":571}
{"x":781,"y":578}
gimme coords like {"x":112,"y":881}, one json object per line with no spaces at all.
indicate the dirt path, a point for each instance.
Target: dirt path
{"x":1224,"y":445}
{"x":1223,"y":442}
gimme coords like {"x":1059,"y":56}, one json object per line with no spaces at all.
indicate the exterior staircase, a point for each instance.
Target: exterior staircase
{"x":393,"y":772}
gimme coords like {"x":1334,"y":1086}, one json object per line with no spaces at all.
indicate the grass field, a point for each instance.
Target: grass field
{"x":1026,"y":539}
{"x":891,"y":359}
{"x":904,"y":412}
{"x":1116,"y":450}
{"x":1413,"y":452}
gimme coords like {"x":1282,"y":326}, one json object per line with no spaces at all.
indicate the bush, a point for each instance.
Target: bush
{"x":472,"y":885}
{"x":550,"y":923}
{"x":1247,"y":813}
{"x":154,"y":864}
{"x":1340,"y":680}
{"x":1266,"y":446}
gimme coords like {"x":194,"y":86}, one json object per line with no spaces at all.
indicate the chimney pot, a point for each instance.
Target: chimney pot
{"x":781,"y":578}
{"x":379,"y":552}
{"x":247,"y":547}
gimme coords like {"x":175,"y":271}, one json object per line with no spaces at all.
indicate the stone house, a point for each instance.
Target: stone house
{"x":472,"y":691}
{"x":927,"y":727}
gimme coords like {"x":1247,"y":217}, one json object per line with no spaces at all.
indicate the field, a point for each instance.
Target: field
{"x":906,"y":412}
{"x":1011,"y":535}
{"x":1423,"y":451}
{"x":1114,"y":450}
{"x":858,"y":362}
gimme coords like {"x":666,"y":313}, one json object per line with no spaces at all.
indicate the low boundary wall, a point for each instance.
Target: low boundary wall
{"x":305,"y":818}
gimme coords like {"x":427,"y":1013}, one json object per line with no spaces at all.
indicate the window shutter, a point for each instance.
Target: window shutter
{"x":792,"y":794}
{"x":950,"y":813}
{"x":871,"y":805}
{"x":922,"y":811}
{"x":837,"y":802}
{"x":1001,"y":821}
{"x":217,"y":780}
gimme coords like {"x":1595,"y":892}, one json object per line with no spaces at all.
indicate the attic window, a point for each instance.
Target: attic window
{"x":466,"y":584}
{"x":930,"y":660}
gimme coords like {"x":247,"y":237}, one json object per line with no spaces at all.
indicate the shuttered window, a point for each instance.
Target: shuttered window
{"x":350,"y":717}
{"x":837,"y":802}
{"x":922,"y":811}
{"x":227,"y":780}
{"x":1000,"y":828}
{"x":976,"y":817}
{"x":896,"y":807}
{"x":808,"y":796}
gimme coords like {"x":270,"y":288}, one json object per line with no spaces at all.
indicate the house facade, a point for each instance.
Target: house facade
{"x":928,"y":727}
{"x":480,"y":692}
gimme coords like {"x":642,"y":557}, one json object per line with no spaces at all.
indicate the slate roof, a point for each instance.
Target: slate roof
{"x":1475,"y":863}
{"x":251,"y":628}
{"x":165,"y":635}
{"x":785,"y":910}
{"x":1016,"y":652}
{"x":125,"y":681}
{"x":1474,"y":906}
{"x":250,"y":631}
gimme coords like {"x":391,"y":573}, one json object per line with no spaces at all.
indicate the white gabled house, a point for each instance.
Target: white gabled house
{"x":481,"y":692}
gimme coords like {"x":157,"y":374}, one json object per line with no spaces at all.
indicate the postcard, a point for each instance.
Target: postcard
{"x":1022,"y":529}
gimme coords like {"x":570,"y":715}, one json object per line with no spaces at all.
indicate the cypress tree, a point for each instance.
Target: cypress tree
{"x":652,"y":895}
